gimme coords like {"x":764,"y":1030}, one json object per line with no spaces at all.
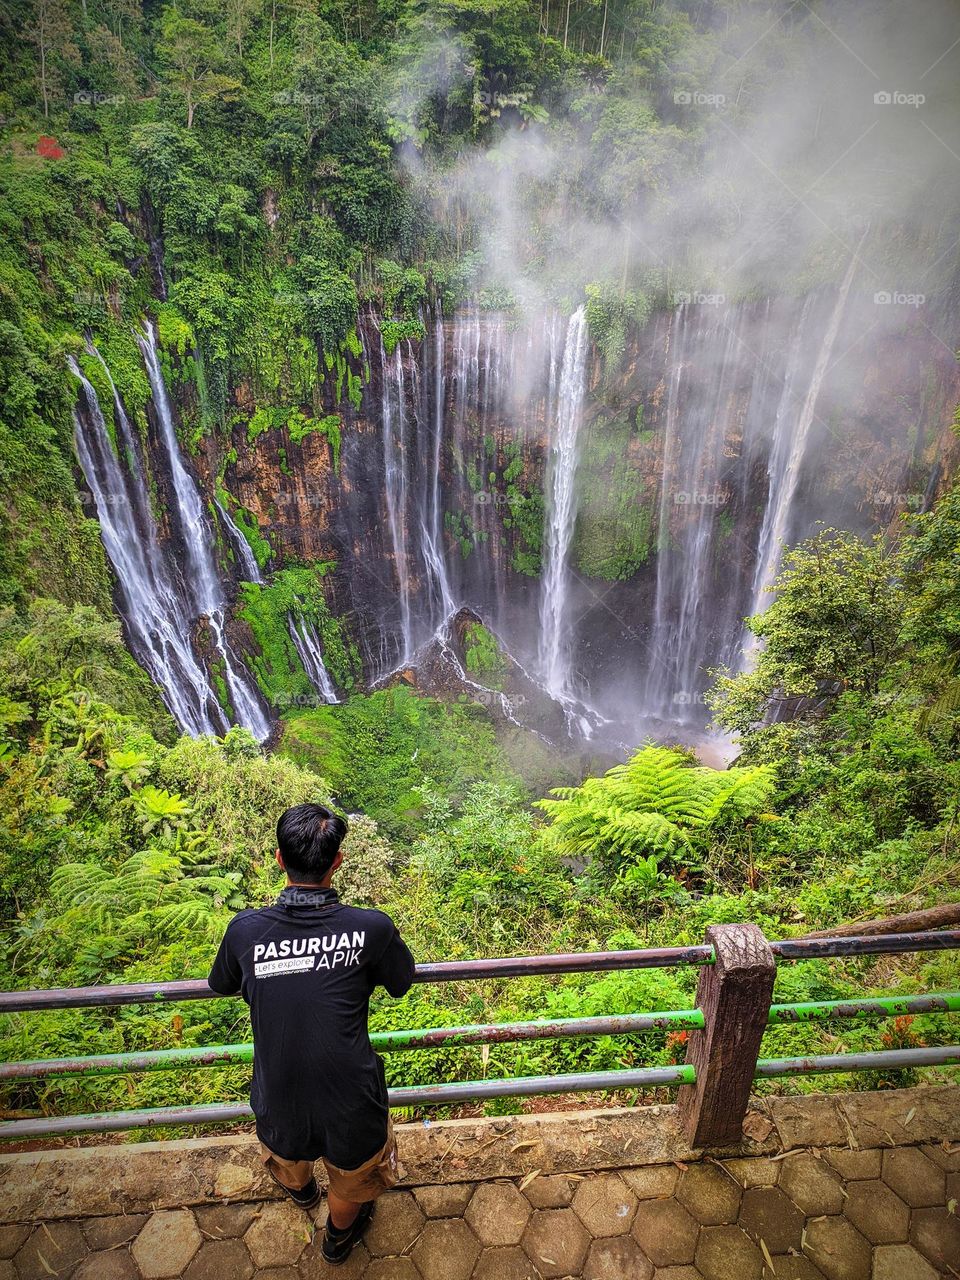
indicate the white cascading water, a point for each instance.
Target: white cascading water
{"x":656,"y":685}
{"x":246,"y":560}
{"x":432,"y":526}
{"x":561,"y":512}
{"x":302,"y":632}
{"x":152,"y":602}
{"x":307,"y":644}
{"x":394,"y":416}
{"x":788,"y":454}
{"x":201,"y":572}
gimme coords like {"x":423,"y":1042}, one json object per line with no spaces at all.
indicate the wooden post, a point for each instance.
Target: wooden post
{"x":734,"y":994}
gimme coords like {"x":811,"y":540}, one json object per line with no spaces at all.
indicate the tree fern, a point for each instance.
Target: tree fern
{"x":654,"y":804}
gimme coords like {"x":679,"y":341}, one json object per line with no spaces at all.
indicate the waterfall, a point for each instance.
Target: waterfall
{"x":200,"y":570}
{"x":694,"y":488}
{"x":307,"y":644}
{"x":394,"y":414}
{"x":658,"y":651}
{"x":561,"y":510}
{"x":432,"y":526}
{"x":150,"y":595}
{"x":249,"y":569}
{"x":788,"y":451}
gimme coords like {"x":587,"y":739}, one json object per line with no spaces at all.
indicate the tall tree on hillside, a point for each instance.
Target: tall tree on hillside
{"x":125,"y":15}
{"x":239,"y":15}
{"x":52,"y":32}
{"x":194,"y":60}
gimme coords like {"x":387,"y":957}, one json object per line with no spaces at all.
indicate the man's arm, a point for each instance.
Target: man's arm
{"x":226,"y":975}
{"x":395,"y":968}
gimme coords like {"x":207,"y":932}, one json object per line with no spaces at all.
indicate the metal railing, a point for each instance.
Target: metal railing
{"x":734,"y":1007}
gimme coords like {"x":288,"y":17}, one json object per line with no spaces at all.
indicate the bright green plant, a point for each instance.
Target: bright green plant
{"x":658,"y":803}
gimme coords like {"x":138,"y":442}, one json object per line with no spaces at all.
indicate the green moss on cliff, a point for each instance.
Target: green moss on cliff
{"x":266,"y":607}
{"x":613,"y":538}
{"x":483,"y":655}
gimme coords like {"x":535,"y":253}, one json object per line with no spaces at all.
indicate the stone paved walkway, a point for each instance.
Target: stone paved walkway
{"x":825,"y":1214}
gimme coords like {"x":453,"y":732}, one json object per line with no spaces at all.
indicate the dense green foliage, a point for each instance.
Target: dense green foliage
{"x":295,"y":592}
{"x":254,"y":178}
{"x":848,"y":811}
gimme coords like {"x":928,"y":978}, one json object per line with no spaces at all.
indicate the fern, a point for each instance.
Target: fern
{"x":151,"y":899}
{"x":654,"y":804}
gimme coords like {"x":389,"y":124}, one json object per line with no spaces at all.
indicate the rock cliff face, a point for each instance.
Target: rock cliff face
{"x":433,"y":474}
{"x":687,"y":461}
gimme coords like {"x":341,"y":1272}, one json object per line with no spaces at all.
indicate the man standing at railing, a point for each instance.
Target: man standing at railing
{"x":306,"y":967}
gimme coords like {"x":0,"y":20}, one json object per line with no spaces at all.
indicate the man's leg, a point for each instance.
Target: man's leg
{"x":296,"y":1176}
{"x":343,"y":1213}
{"x":350,"y":1197}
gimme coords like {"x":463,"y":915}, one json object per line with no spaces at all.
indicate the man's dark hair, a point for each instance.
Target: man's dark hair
{"x":309,"y":837}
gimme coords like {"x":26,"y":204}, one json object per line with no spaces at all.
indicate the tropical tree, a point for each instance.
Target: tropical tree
{"x":834,"y":626}
{"x":51,"y":31}
{"x":194,"y":57}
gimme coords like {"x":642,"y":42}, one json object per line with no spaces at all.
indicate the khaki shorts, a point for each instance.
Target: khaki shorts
{"x":369,"y":1180}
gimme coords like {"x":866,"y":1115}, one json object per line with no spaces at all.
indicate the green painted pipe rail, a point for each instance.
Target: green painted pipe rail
{"x":489,"y":1033}
{"x":33,"y":1127}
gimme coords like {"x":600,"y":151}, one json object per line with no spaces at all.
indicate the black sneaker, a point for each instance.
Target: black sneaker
{"x":306,"y":1197}
{"x":337,"y":1243}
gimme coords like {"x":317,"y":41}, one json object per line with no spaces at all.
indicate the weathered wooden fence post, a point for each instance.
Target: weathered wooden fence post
{"x":734,"y":994}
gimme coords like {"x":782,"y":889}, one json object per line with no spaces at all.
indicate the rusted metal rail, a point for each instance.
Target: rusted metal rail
{"x":734,"y":1007}
{"x":500,"y":967}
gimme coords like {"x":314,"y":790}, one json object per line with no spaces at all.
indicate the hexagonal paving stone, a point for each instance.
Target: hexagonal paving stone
{"x":811,"y":1184}
{"x":107,"y":1264}
{"x":677,"y":1273}
{"x":166,"y":1244}
{"x":218,"y":1259}
{"x":52,"y":1249}
{"x":12,"y":1237}
{"x":285,"y":1273}
{"x":727,"y":1253}
{"x":838,"y":1249}
{"x":936,"y":1233}
{"x":388,"y":1269}
{"x":652,"y":1181}
{"x":710,"y":1193}
{"x":876,"y":1212}
{"x":665,"y":1232}
{"x":551,"y":1191}
{"x":604,"y":1205}
{"x":901,"y":1262}
{"x":616,"y":1258}
{"x":444,"y":1202}
{"x":505,"y":1264}
{"x":853,"y":1164}
{"x":106,"y":1233}
{"x":913,"y":1176}
{"x":767,"y":1214}
{"x":757,"y":1172}
{"x":791,"y":1266}
{"x":497,"y":1214}
{"x":313,"y":1267}
{"x":279,"y":1234}
{"x":223,"y":1221}
{"x":396,"y":1223}
{"x":945,"y":1155}
{"x":447,"y":1250}
{"x":7,"y":1270}
{"x":556,"y":1242}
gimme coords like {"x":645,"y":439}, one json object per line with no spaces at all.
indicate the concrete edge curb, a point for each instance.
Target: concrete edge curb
{"x":138,"y":1177}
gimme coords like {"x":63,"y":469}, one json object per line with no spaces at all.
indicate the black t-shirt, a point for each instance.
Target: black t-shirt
{"x":306,"y":967}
